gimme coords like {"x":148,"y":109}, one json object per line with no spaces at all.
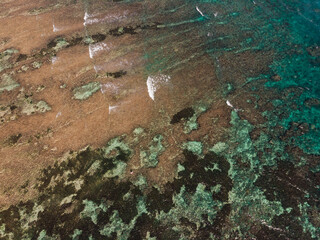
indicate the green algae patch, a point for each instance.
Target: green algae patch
{"x":85,"y":91}
{"x":92,"y":201}
{"x":141,"y":182}
{"x":194,"y":207}
{"x":29,"y":107}
{"x":76,"y":234}
{"x":192,"y":123}
{"x":92,"y":210}
{"x":116,"y":146}
{"x":118,"y":171}
{"x":119,"y":151}
{"x":149,"y":158}
{"x":60,"y":44}
{"x":194,"y":146}
{"x":5,"y":57}
{"x":29,"y":217}
{"x":43,"y":236}
{"x":116,"y":224}
{"x":138,"y":131}
{"x":94,"y":168}
{"x":8,"y":83}
{"x":88,"y":40}
{"x":307,"y":225}
{"x":180,"y":168}
{"x":219,"y":147}
{"x":36,"y":65}
{"x":246,"y":198}
{"x":67,"y":199}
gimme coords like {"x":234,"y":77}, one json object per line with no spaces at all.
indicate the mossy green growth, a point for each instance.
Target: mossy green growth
{"x":5,"y":57}
{"x":88,"y":40}
{"x":94,"y":167}
{"x":36,"y":65}
{"x":192,"y":123}
{"x":76,"y":234}
{"x":3,"y":233}
{"x":85,"y":91}
{"x":180,"y":168}
{"x":117,"y":150}
{"x":7,"y":83}
{"x":118,"y":171}
{"x":43,"y":236}
{"x":138,"y":133}
{"x":305,"y":210}
{"x":149,"y":158}
{"x":141,"y":182}
{"x":29,"y":107}
{"x":28,"y":218}
{"x":138,"y":130}
{"x":248,"y":150}
{"x":92,"y":210}
{"x":194,"y":207}
{"x":246,"y":198}
{"x":150,"y":238}
{"x":115,"y":146}
{"x":228,"y":89}
{"x":194,"y":146}
{"x":60,"y":44}
{"x":216,"y":188}
{"x":219,"y":147}
{"x":67,"y":199}
{"x":42,"y":106}
{"x":122,"y":229}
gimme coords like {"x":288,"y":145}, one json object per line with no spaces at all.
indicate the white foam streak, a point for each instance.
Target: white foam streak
{"x":56,"y":29}
{"x":154,"y":82}
{"x":54,"y":60}
{"x":229,"y":104}
{"x":95,"y":48}
{"x":197,"y":8}
{"x":108,"y":87}
{"x":91,"y":19}
{"x":112,"y":108}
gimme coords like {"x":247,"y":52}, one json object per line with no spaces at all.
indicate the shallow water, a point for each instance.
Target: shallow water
{"x":160,"y":119}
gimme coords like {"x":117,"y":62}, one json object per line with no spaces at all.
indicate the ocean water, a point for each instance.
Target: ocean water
{"x":240,"y":84}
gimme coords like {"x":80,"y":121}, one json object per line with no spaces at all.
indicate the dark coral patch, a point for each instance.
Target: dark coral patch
{"x":290,"y":186}
{"x":116,"y":74}
{"x":123,"y":30}
{"x":183,"y":114}
{"x":13,"y":139}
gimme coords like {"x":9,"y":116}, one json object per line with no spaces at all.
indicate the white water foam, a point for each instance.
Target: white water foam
{"x":97,"y":47}
{"x":154,"y":82}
